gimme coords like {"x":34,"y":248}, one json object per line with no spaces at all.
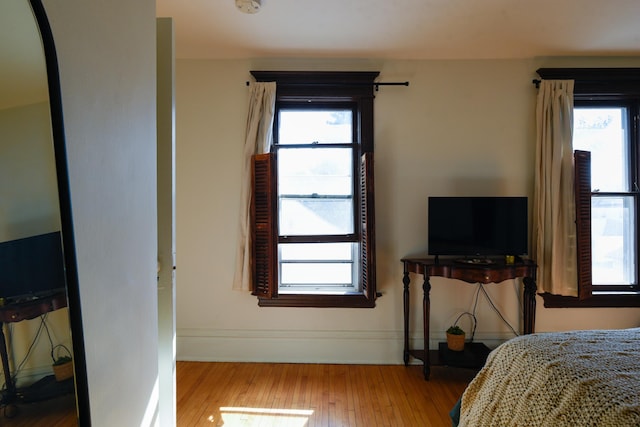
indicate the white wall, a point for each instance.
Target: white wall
{"x":107,"y":59}
{"x":461,"y":127}
{"x":28,"y":207}
{"x":27,"y":173}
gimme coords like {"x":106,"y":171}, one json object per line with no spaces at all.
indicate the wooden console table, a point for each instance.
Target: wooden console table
{"x":471,"y":273}
{"x":17,"y":312}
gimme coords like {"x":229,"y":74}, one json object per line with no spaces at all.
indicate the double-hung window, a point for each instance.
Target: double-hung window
{"x":606,"y":135}
{"x":604,"y":128}
{"x":313,"y":194}
{"x":315,"y":150}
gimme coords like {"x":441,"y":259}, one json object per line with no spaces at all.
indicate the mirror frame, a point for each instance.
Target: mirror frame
{"x":64,"y":195}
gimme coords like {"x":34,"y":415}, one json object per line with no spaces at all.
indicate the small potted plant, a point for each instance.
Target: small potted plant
{"x":62,"y":365}
{"x":455,"y":338}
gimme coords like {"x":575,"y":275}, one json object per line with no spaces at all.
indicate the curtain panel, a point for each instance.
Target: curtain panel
{"x":258,"y":138}
{"x":554,"y":230}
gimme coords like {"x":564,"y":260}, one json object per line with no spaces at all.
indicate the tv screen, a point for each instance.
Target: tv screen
{"x":31,"y":267}
{"x":478,"y":226}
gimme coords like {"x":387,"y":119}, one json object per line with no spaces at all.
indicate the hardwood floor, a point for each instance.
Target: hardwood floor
{"x":57,"y":412}
{"x":309,"y":395}
{"x":292,"y":395}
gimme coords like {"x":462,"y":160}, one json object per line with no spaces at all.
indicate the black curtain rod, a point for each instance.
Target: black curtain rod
{"x":536,"y":82}
{"x":374,"y":84}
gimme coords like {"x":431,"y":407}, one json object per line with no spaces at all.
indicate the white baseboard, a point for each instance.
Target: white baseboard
{"x":286,"y":346}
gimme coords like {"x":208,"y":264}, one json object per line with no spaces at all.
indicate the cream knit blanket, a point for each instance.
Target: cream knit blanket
{"x":577,"y":378}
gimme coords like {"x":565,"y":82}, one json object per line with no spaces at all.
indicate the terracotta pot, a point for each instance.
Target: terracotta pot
{"x":63,"y":372}
{"x":455,"y":342}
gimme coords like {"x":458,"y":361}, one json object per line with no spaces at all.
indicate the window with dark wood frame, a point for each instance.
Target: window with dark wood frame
{"x":593,"y":85}
{"x":323,"y":88}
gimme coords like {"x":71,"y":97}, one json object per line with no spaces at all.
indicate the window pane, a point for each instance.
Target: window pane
{"x":315,"y":191}
{"x":322,"y":171}
{"x":309,"y":126}
{"x":309,"y":216}
{"x":316,"y":251}
{"x":325,"y":274}
{"x":316,"y":264}
{"x":603,"y":132}
{"x":613,"y":243}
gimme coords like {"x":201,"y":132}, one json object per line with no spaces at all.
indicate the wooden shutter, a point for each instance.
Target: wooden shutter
{"x":582,"y":168}
{"x":264,"y":233}
{"x":367,"y":228}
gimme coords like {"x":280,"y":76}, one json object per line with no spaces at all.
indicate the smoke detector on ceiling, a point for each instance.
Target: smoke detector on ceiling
{"x":248,"y":6}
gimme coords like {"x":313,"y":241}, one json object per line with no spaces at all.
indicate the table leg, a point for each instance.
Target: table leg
{"x":9,"y":394}
{"x":529,"y":305}
{"x":426,"y":312}
{"x":406,"y":280}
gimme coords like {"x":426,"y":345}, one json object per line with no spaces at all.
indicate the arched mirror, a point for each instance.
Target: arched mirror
{"x":39,"y":298}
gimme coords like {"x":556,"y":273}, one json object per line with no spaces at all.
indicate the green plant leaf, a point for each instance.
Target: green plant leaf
{"x":62,"y":360}
{"x":455,"y":330}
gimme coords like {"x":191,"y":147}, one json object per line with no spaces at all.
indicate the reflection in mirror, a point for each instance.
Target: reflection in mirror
{"x":35,"y":333}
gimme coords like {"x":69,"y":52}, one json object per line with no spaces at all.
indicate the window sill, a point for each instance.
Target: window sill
{"x":322,"y":301}
{"x":598,"y":299}
{"x":317,"y":292}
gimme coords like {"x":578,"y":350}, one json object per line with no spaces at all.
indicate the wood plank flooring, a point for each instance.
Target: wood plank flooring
{"x":309,"y":395}
{"x":57,"y":412}
{"x":292,"y":395}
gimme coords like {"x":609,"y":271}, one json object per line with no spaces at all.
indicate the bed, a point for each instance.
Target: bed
{"x":576,"y":378}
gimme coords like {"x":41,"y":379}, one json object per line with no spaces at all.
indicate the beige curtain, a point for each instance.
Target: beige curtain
{"x":554,"y":231}
{"x":259,"y":133}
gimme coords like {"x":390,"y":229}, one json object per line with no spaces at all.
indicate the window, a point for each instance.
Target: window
{"x":603,"y":129}
{"x":606,"y":135}
{"x":317,"y":245}
{"x":313,"y":211}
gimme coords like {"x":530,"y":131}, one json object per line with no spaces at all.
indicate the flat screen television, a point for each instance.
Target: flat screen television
{"x":478,"y":226}
{"x":31,"y":267}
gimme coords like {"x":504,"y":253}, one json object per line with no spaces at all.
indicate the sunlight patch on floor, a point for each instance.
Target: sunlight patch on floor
{"x":263,"y":417}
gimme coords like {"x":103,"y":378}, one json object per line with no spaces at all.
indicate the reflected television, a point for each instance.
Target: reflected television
{"x":31,"y":267}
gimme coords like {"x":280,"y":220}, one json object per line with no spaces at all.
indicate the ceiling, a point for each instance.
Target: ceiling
{"x":405,"y":29}
{"x":360,"y":29}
